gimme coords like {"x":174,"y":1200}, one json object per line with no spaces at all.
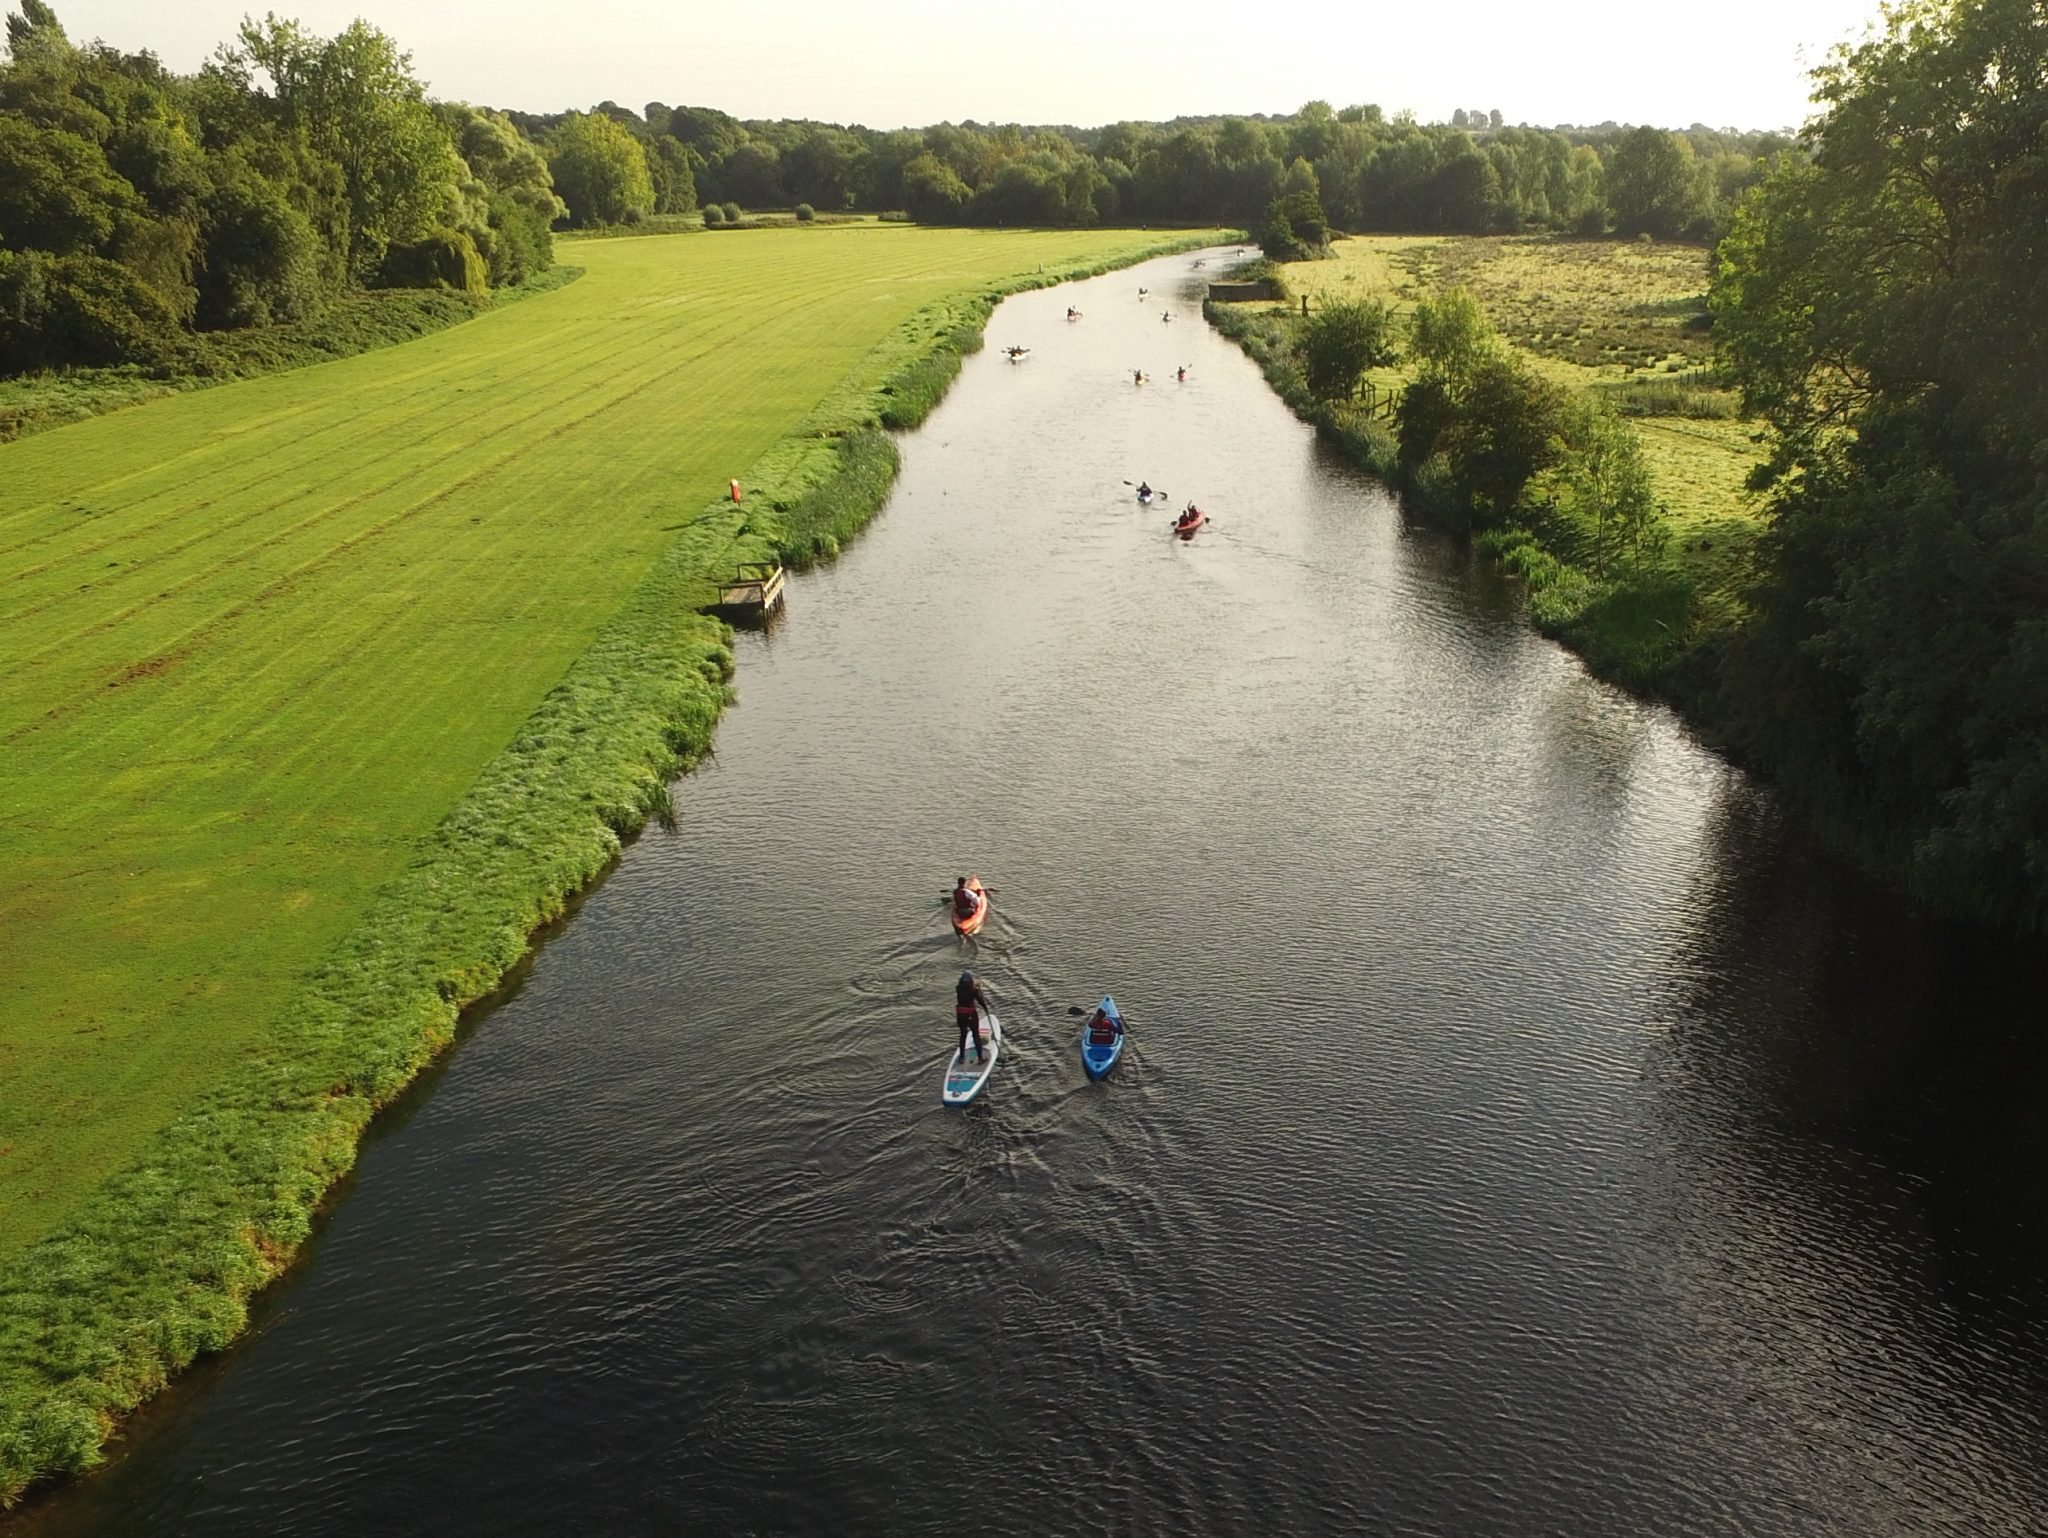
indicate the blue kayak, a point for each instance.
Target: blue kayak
{"x":1102,"y":1039}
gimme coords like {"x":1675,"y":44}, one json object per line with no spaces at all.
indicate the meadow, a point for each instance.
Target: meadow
{"x":1625,"y":321}
{"x":326,"y":687}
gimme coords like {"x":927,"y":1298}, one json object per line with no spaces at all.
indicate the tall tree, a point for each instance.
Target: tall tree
{"x":1654,"y":184}
{"x":357,"y":103}
{"x":1885,"y":312}
{"x":599,"y":169}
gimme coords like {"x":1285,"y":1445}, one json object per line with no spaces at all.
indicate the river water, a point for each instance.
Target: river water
{"x":1524,"y":1131}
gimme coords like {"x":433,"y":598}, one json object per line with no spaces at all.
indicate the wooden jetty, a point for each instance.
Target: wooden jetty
{"x":754,"y":592}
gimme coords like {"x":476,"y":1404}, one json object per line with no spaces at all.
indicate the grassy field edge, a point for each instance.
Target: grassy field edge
{"x":354,"y":324}
{"x":159,"y":1265}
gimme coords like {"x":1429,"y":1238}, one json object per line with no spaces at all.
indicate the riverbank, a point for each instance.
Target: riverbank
{"x":1621,"y":323}
{"x":157,"y":1263}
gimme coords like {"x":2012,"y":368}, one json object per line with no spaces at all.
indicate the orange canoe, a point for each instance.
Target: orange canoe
{"x":972,"y":923}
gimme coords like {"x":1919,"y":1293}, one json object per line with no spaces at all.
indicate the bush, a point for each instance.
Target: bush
{"x":261,"y":265}
{"x":732,"y":213}
{"x":1425,"y":413}
{"x":1294,"y":228}
{"x":518,"y":244}
{"x":714,"y":216}
{"x":64,"y":311}
{"x":1340,"y":342}
{"x":445,"y":259}
{"x":805,"y":213}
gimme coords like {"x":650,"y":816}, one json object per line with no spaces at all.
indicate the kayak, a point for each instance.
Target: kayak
{"x":965,"y":1078}
{"x":972,"y":923}
{"x":1186,"y":524}
{"x":1147,"y":498}
{"x":1102,"y":1044}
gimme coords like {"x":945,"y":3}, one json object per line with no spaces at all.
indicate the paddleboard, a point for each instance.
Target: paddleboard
{"x":965,"y":1078}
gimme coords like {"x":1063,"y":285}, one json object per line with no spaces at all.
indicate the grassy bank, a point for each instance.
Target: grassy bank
{"x":274,"y":641}
{"x":1623,"y":321}
{"x":355,"y":323}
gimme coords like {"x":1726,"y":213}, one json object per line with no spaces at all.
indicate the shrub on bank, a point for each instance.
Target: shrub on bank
{"x":914,"y":390}
{"x":816,"y":524}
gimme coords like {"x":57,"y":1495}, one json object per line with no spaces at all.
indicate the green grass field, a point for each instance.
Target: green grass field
{"x":261,"y":638}
{"x":1601,"y":315}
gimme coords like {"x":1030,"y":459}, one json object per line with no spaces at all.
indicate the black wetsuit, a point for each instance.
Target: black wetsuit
{"x":965,"y":996}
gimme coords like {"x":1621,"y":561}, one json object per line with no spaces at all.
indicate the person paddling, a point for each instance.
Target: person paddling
{"x":968,"y":999}
{"x":1137,"y":376}
{"x":1181,"y":373}
{"x":965,"y":899}
{"x":1144,"y":492}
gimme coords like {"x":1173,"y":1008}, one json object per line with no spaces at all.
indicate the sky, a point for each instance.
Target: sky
{"x":906,"y":63}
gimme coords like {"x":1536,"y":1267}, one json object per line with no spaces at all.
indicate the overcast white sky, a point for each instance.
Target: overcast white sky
{"x":892,"y":63}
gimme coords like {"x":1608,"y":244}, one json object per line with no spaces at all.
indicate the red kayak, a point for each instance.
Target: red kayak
{"x":972,"y":922}
{"x":1189,"y":521}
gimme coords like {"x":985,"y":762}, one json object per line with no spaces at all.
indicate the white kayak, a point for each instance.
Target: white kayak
{"x":965,"y":1078}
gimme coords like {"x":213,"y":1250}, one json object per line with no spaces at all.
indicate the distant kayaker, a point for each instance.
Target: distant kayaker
{"x":1181,"y":373}
{"x":967,"y":996}
{"x":1137,"y":376}
{"x":1144,"y":490}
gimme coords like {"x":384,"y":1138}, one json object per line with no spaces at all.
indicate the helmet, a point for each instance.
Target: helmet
{"x":966,"y":977}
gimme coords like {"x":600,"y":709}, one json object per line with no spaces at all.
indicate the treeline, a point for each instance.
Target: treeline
{"x":1376,"y":174}
{"x":139,"y":208}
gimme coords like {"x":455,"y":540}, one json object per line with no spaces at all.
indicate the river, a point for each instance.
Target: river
{"x":1524,"y":1129}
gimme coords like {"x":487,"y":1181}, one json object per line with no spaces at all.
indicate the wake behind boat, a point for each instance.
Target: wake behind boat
{"x":966,"y":1078}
